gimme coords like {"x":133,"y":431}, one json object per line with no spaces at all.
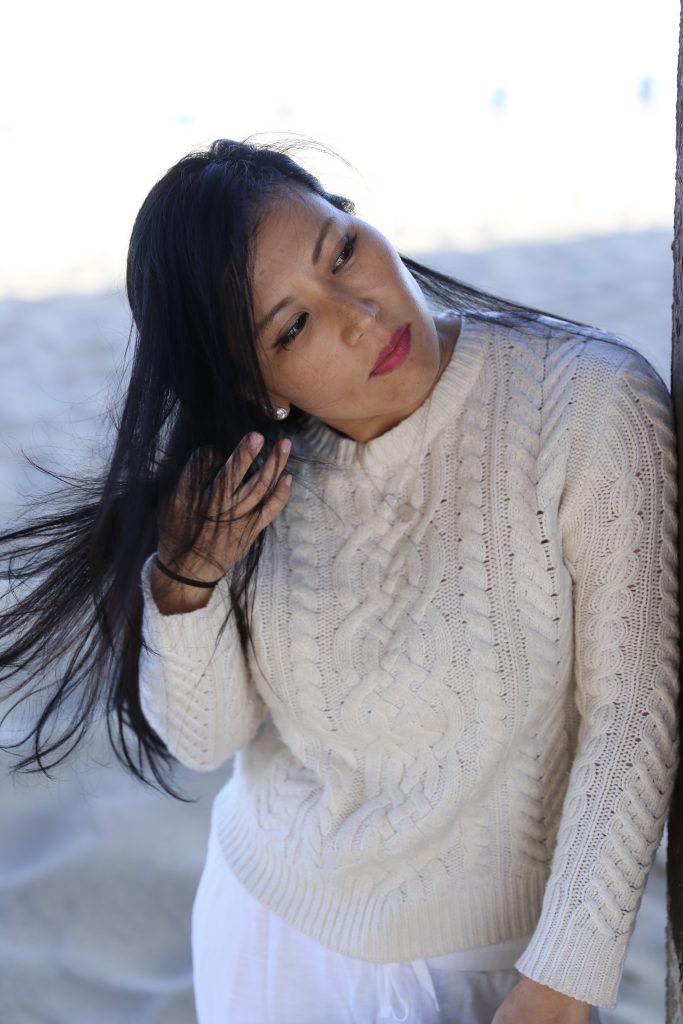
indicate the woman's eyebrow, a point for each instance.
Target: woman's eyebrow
{"x":317,"y":250}
{"x":318,"y":247}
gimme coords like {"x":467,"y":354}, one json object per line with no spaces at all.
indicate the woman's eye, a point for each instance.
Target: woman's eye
{"x":287,"y":338}
{"x":346,"y":253}
{"x":342,"y":259}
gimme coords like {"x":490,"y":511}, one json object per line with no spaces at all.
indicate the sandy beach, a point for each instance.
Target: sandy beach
{"x":98,"y":873}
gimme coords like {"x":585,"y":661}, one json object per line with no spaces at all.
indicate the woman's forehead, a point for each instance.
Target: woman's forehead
{"x":296,"y":208}
{"x":291,"y":225}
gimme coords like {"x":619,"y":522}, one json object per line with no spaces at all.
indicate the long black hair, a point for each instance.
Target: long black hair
{"x":71,"y":631}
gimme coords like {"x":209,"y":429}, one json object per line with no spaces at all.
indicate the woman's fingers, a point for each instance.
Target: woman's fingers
{"x":239,"y":506}
{"x":257,"y":486}
{"x":231,"y":473}
{"x":276,"y":502}
{"x":257,"y":522}
{"x":228,"y":502}
{"x":203,"y":468}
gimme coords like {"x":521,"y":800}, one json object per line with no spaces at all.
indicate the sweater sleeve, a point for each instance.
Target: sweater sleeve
{"x":620,"y":549}
{"x":196,"y":691}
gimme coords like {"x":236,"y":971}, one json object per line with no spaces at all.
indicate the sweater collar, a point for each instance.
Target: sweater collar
{"x":415,"y":432}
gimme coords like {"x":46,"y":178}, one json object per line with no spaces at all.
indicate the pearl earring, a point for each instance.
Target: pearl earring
{"x":278,"y":412}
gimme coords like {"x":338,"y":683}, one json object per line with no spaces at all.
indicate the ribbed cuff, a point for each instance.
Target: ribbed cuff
{"x":186,"y":631}
{"x":568,"y":953}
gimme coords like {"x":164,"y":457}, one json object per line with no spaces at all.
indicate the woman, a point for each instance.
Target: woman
{"x":407,"y":551}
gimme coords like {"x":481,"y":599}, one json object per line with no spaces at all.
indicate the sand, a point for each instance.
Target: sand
{"x":97,"y":872}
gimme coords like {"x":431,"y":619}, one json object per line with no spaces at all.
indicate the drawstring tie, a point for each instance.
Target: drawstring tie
{"x":398,"y":984}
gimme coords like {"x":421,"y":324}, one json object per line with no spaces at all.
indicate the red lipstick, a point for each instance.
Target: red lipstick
{"x":393,"y":354}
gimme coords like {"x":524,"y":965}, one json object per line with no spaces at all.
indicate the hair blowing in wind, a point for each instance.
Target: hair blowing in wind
{"x":71,"y":625}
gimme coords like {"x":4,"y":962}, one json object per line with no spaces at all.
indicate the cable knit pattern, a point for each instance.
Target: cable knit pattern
{"x":458,"y":721}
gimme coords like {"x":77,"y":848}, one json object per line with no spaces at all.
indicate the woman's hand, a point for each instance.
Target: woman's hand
{"x":531,"y":1003}
{"x":216,"y":551}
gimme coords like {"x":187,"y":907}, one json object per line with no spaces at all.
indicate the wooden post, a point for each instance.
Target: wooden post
{"x":675,"y":827}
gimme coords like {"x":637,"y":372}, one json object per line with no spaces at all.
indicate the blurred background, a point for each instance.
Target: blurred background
{"x":526,"y":148}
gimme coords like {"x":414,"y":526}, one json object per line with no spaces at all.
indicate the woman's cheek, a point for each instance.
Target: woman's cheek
{"x":316,"y":377}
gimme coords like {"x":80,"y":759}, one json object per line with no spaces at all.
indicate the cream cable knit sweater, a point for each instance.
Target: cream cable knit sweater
{"x":459,"y":721}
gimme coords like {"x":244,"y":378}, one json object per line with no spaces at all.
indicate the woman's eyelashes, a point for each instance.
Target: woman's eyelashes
{"x":285,"y":340}
{"x":349,"y":245}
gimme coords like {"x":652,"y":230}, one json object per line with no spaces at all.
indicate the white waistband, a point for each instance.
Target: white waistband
{"x":498,"y":957}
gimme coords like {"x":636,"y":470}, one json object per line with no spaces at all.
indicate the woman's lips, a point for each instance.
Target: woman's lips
{"x":393,"y":354}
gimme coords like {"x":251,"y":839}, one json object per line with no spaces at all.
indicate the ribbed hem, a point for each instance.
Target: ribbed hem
{"x":569,"y":954}
{"x":439,"y":408}
{"x":363,"y":916}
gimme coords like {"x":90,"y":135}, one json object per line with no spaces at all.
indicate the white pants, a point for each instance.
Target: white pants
{"x":250,"y":967}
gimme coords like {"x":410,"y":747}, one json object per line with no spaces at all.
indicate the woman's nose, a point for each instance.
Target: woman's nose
{"x":359,"y":316}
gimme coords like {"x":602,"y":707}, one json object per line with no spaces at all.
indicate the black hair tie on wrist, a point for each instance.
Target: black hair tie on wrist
{"x":182,"y":579}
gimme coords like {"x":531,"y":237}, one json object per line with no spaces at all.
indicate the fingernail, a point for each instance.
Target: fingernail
{"x":255,"y":441}
{"x":287,"y":479}
{"x":285,"y":446}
